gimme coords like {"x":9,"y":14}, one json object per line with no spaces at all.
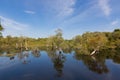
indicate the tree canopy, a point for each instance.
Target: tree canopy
{"x":84,"y":44}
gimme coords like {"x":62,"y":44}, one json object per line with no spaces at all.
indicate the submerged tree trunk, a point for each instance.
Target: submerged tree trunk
{"x":93,"y":52}
{"x":52,"y":46}
{"x":16,"y":45}
{"x":26,"y":45}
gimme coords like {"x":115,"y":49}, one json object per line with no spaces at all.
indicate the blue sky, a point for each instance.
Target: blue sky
{"x":40,"y":18}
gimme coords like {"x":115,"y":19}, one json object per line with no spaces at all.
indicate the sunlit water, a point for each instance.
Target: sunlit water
{"x":43,"y":65}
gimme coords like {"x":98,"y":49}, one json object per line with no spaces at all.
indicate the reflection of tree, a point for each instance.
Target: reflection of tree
{"x":68,"y":51}
{"x":51,"y":53}
{"x":58,"y":64}
{"x":113,"y":54}
{"x":24,"y":57}
{"x":58,"y":60}
{"x":9,"y":53}
{"x":20,"y":55}
{"x":95,"y":64}
{"x":116,"y":59}
{"x":36,"y":53}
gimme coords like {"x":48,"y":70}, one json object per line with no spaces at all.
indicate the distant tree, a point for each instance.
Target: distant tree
{"x":1,"y":28}
{"x":116,"y":30}
{"x":95,"y":40}
{"x":51,"y":42}
{"x":64,"y":45}
{"x":55,"y":40}
{"x":90,"y":41}
{"x":77,"y":41}
{"x":58,"y":37}
{"x":116,"y":37}
{"x":59,"y":33}
{"x":116,"y":34}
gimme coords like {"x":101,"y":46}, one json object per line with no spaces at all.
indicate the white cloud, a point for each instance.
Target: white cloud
{"x":114,"y":23}
{"x":13,"y":27}
{"x":65,"y":7}
{"x":29,"y":12}
{"x":59,"y":7}
{"x":105,"y":7}
{"x":9,"y":23}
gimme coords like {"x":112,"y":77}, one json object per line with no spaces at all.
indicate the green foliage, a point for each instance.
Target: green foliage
{"x":113,"y":39}
{"x":90,"y":41}
{"x":95,"y":40}
{"x":83,"y":44}
{"x":56,"y":40}
{"x":1,"y":29}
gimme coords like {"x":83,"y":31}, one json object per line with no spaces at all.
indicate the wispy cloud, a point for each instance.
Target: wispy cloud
{"x":105,"y":7}
{"x":9,"y":23}
{"x":59,"y":7}
{"x":65,"y":7}
{"x":29,"y":12}
{"x":14,"y":28}
{"x":114,"y":23}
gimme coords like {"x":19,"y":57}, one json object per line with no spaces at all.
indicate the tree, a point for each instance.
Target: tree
{"x":77,"y":42}
{"x":59,"y":38}
{"x":116,"y":37}
{"x":1,"y":28}
{"x":98,"y":40}
{"x":113,"y":39}
{"x":55,"y":40}
{"x":116,"y":34}
{"x":64,"y":45}
{"x":59,"y":33}
{"x":90,"y":41}
{"x":50,"y":42}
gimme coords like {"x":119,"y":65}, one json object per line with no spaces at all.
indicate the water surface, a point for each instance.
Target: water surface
{"x":55,"y":65}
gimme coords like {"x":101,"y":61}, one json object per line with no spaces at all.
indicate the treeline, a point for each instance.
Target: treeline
{"x":84,"y":44}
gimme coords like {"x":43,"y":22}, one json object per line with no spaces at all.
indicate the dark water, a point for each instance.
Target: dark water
{"x":55,"y":65}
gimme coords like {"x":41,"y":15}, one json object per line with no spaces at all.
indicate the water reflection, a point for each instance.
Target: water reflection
{"x":60,"y":65}
{"x":11,"y":58}
{"x":36,"y":53}
{"x":96,"y":65}
{"x":58,"y":58}
{"x":23,"y":56}
{"x":116,"y":59}
{"x":58,"y":61}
